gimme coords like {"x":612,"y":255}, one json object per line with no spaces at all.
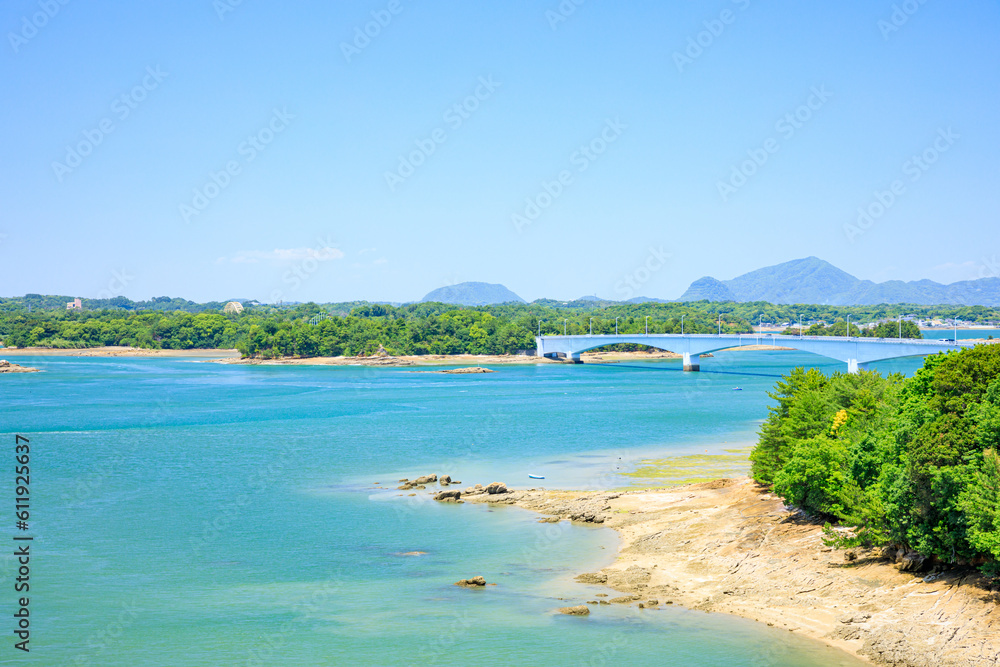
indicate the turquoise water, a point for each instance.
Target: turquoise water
{"x":192,"y":513}
{"x":963,"y":334}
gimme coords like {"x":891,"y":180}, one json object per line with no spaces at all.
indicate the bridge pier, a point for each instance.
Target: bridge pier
{"x":852,"y":365}
{"x":573,"y":358}
{"x":691,"y":365}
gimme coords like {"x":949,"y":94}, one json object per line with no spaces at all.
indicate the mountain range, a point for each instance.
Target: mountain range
{"x":810,"y":280}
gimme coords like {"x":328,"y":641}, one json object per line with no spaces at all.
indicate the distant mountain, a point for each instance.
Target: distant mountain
{"x":708,"y":289}
{"x":647,"y":299}
{"x":473,"y":294}
{"x":811,"y":280}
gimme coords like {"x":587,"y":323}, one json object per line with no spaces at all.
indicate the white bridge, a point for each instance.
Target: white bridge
{"x":855,"y":352}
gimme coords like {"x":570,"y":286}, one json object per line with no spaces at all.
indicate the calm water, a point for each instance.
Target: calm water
{"x":198,"y":514}
{"x":963,"y":334}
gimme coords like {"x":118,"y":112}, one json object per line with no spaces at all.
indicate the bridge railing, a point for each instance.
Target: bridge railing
{"x":776,"y":337}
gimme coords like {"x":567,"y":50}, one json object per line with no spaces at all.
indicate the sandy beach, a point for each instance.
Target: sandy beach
{"x":472,"y":359}
{"x":114,"y":351}
{"x":730,"y":546}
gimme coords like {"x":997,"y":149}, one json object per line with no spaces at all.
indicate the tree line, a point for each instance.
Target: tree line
{"x":913,"y":464}
{"x":354,"y":329}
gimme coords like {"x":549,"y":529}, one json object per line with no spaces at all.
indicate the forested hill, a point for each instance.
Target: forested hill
{"x":425,"y":328}
{"x":909,"y":464}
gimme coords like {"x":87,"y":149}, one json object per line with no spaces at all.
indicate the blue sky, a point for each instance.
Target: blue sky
{"x":213,"y":150}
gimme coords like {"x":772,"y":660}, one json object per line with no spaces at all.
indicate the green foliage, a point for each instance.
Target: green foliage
{"x":980,"y":500}
{"x":881,"y":330}
{"x":910,"y":462}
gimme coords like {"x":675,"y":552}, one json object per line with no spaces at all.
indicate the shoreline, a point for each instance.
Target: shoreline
{"x":115,"y":351}
{"x":476,"y":359}
{"x":226,"y":356}
{"x":731,"y":546}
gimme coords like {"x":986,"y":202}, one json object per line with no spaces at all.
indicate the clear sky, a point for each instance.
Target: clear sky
{"x":252,"y":149}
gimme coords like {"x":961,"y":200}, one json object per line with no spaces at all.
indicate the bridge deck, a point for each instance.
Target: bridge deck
{"x":854,"y":351}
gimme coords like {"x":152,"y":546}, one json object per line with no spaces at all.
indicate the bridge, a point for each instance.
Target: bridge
{"x":855,"y":352}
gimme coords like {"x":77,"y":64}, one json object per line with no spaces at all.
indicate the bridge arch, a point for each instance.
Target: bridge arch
{"x":855,"y":352}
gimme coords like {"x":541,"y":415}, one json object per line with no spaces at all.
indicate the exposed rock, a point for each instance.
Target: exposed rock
{"x":496,"y":488}
{"x":632,"y":577}
{"x":549,"y":519}
{"x":470,"y":369}
{"x":426,"y":479}
{"x":7,"y":367}
{"x":578,"y":610}
{"x":593,"y":578}
{"x":912,"y":562}
{"x":445,"y":480}
{"x":448,"y":495}
{"x":624,"y":599}
{"x":474,"y":582}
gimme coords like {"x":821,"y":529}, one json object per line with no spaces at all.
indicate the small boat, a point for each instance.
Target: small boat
{"x":737,"y":388}
{"x":536,"y":476}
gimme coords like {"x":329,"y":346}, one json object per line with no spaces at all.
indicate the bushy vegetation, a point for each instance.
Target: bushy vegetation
{"x":907,"y":462}
{"x":359,"y":328}
{"x":311,"y":330}
{"x":881,"y":330}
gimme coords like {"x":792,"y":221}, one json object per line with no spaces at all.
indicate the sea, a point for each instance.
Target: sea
{"x":183,"y":512}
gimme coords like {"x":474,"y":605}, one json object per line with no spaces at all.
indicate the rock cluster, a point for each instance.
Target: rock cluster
{"x":7,"y":367}
{"x":578,"y":610}
{"x":422,"y":482}
{"x":474,"y":582}
{"x":492,"y":489}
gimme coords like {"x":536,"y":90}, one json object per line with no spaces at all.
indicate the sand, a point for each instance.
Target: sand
{"x":731,"y":546}
{"x":115,"y":351}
